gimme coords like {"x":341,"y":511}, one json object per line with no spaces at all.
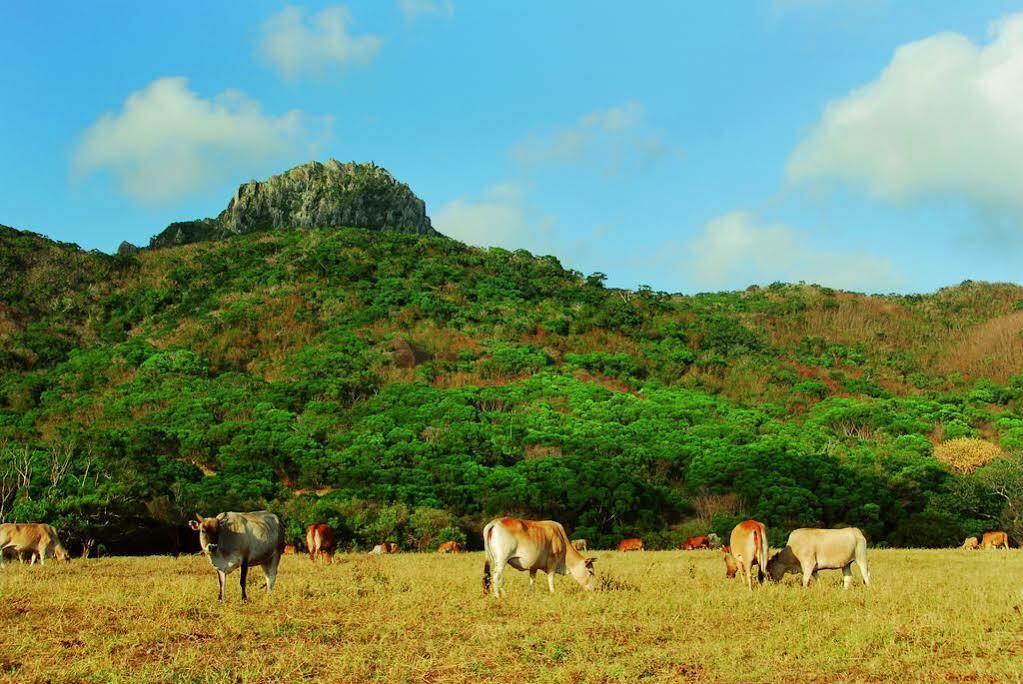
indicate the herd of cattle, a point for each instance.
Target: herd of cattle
{"x":244,"y":540}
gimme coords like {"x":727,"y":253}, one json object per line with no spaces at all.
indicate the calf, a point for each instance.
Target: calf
{"x":810,"y":549}
{"x":241,"y":540}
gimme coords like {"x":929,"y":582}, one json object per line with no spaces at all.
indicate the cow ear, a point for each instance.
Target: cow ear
{"x":590,"y":562}
{"x":221,"y":517}
{"x":193,"y":524}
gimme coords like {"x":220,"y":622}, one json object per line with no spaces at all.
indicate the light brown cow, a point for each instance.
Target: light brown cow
{"x":290,"y":549}
{"x":37,"y":539}
{"x":532,"y":545}
{"x":811,"y":549}
{"x":995,"y":540}
{"x":749,"y":548}
{"x":385,"y":547}
{"x":579,"y":544}
{"x":731,"y":567}
{"x":970,"y":543}
{"x":241,"y":540}
{"x":693,"y":543}
{"x":450,"y":547}
{"x":320,"y":541}
{"x":632,"y":544}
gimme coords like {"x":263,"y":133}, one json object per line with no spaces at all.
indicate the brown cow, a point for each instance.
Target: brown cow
{"x":320,"y":541}
{"x":38,"y":539}
{"x":632,"y":544}
{"x":995,"y":540}
{"x":731,"y":567}
{"x":290,"y":549}
{"x":450,"y":547}
{"x":532,"y":545}
{"x":385,"y":547}
{"x":693,"y":543}
{"x":749,"y":547}
{"x":580,"y":544}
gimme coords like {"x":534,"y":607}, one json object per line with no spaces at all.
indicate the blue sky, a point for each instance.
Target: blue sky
{"x":870,"y":145}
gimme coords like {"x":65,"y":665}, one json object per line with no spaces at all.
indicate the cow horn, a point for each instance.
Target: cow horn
{"x":198,"y":517}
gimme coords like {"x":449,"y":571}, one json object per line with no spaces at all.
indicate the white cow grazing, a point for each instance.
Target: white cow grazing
{"x":241,"y":540}
{"x":532,"y":545}
{"x":37,"y":540}
{"x":809,"y":550}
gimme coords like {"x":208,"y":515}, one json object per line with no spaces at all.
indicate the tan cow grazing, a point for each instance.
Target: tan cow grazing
{"x":450,"y":547}
{"x":693,"y":543}
{"x":632,"y":544}
{"x":731,"y":566}
{"x":320,"y":541}
{"x":36,"y":539}
{"x":532,"y":545}
{"x":290,"y":549}
{"x":385,"y":547}
{"x":748,"y":548}
{"x":970,"y":543}
{"x":810,"y":549}
{"x":241,"y":540}
{"x":579,"y":544}
{"x":995,"y":540}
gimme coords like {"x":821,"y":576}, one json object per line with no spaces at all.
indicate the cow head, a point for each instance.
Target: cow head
{"x":60,"y":553}
{"x":584,"y":574}
{"x":781,"y":563}
{"x":209,"y":531}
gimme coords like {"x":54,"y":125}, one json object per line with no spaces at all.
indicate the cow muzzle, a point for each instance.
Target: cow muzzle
{"x":210,"y":549}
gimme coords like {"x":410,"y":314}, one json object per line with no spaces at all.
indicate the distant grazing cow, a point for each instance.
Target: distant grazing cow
{"x":995,"y":540}
{"x":700,"y":542}
{"x":290,"y":549}
{"x":532,"y":545}
{"x":810,"y":549}
{"x":241,"y":540}
{"x":633,"y":544}
{"x":319,"y":539}
{"x":970,"y":543}
{"x":715,"y":541}
{"x":579,"y":544}
{"x":749,"y":548}
{"x":731,"y":566}
{"x":39,"y":540}
{"x":385,"y":547}
{"x":450,"y":547}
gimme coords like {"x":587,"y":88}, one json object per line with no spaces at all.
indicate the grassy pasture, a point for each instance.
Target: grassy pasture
{"x":930,"y":615}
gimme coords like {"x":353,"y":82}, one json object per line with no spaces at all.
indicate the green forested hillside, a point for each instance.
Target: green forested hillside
{"x":408,"y":387}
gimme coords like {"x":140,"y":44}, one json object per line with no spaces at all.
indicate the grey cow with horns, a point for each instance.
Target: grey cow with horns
{"x":241,"y":540}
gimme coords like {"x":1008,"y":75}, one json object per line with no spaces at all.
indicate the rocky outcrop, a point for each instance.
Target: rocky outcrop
{"x":127,"y":249}
{"x":313,"y":195}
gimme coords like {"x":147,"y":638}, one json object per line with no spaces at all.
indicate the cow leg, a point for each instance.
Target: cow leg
{"x":244,"y":577}
{"x":808,"y":573}
{"x":498,"y":579}
{"x":41,"y":556}
{"x":550,"y":581}
{"x":328,"y":556}
{"x":532,"y":580}
{"x":221,"y":581}
{"x":847,"y":576}
{"x":270,"y":570}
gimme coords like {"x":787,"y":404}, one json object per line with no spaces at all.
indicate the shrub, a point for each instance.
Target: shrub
{"x":966,"y":454}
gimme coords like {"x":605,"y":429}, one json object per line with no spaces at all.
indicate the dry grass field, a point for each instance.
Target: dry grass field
{"x":671,"y":616}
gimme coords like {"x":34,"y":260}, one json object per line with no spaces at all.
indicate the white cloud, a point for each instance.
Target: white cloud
{"x":295,"y":46}
{"x":415,"y":9}
{"x":500,"y":218}
{"x":945,"y":117}
{"x":609,"y":138}
{"x":736,"y":249}
{"x":167,"y":141}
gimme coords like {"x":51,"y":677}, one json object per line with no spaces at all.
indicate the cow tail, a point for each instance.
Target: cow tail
{"x":758,"y":553}
{"x":486,"y":562}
